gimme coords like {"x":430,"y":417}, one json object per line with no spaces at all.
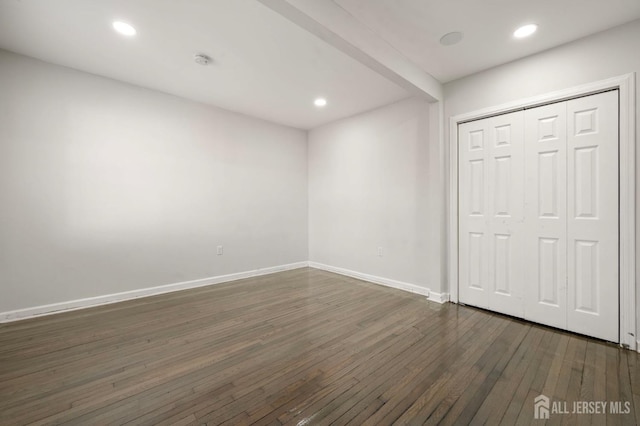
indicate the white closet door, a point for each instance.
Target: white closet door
{"x":505,"y":153}
{"x":473,"y":223}
{"x":491,"y":213}
{"x":538,"y":214}
{"x":593,"y":215}
{"x":546,"y":215}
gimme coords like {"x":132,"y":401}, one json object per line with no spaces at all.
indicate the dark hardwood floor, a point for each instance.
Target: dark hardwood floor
{"x":302,"y":347}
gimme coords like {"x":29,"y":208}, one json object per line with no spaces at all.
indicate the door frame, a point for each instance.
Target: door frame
{"x":627,"y":169}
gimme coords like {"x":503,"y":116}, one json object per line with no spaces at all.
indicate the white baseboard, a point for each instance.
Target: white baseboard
{"x":387,"y":282}
{"x":439,"y":297}
{"x":73,"y":305}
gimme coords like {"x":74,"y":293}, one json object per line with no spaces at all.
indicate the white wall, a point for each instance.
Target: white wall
{"x":107,"y":187}
{"x":372,"y":183}
{"x":604,"y":55}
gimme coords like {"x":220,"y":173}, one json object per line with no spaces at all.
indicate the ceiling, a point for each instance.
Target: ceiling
{"x":263,"y":65}
{"x":414,"y":27}
{"x":270,"y":67}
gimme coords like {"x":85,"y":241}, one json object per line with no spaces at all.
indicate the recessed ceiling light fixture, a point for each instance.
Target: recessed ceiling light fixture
{"x":450,"y":39}
{"x":124,"y":28}
{"x":525,"y":31}
{"x":320,"y":102}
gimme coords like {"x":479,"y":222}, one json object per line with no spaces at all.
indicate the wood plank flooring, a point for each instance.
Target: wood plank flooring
{"x":302,"y":347}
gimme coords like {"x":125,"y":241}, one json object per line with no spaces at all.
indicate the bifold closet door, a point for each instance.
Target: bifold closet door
{"x":545,"y":221}
{"x":538,"y":214}
{"x":593,"y":215}
{"x":491,"y":213}
{"x":571,"y":215}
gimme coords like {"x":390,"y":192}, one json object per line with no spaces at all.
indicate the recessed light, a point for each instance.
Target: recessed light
{"x":320,"y":102}
{"x":450,"y":39}
{"x":525,"y":31}
{"x":124,"y":28}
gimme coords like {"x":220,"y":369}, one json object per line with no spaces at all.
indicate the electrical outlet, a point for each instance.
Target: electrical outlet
{"x":380,"y":251}
{"x":220,"y":250}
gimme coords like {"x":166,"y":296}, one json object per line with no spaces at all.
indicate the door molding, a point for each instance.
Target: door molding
{"x":627,"y":121}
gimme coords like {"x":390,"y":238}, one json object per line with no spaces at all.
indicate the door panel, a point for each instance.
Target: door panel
{"x":491,"y":210}
{"x":546,"y":215}
{"x":593,"y":215}
{"x":505,"y":157}
{"x":549,"y":274}
{"x":473,"y":272}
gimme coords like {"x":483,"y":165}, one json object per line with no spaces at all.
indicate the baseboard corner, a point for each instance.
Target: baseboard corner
{"x":387,"y":282}
{"x":439,"y":297}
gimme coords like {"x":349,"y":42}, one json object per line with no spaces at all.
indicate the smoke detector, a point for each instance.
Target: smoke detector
{"x":201,"y":59}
